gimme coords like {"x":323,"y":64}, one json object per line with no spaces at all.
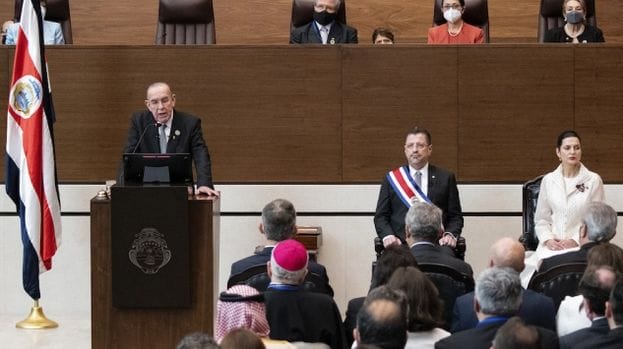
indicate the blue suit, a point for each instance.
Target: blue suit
{"x":536,"y":309}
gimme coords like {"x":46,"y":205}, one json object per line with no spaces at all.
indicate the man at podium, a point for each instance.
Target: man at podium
{"x":162,"y":129}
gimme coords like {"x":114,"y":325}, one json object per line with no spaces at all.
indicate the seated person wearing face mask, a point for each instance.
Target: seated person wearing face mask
{"x":576,"y":30}
{"x":324,"y":29}
{"x":52,"y":32}
{"x":455,"y":30}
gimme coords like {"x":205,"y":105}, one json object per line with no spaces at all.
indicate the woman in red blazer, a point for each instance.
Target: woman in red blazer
{"x":455,"y":30}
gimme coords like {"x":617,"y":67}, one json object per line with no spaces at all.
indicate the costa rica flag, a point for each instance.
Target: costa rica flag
{"x":31,"y":179}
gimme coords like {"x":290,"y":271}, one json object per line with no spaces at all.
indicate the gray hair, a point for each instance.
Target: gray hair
{"x":197,"y":340}
{"x":282,"y":275}
{"x":498,"y":291}
{"x":338,"y":3}
{"x":279,"y":220}
{"x":600,"y":220}
{"x":423,"y":221}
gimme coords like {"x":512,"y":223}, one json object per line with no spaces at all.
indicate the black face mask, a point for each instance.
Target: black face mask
{"x":324,"y":17}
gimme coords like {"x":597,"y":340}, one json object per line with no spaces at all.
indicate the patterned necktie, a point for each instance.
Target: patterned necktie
{"x":163,"y":139}
{"x":324,"y":34}
{"x":418,"y":178}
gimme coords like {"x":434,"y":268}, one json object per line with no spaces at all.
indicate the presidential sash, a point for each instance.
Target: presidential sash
{"x":404,"y":185}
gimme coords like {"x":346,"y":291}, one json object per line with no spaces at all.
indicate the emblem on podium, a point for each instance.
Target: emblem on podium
{"x":149,"y":251}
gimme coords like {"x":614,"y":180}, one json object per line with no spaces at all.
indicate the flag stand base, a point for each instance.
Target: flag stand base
{"x":36,"y":320}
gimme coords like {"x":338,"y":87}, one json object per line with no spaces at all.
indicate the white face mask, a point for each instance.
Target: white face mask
{"x":452,"y":15}
{"x":43,"y":9}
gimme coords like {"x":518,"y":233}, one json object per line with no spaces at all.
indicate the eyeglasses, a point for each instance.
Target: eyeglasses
{"x":455,"y":6}
{"x":418,"y":146}
{"x":156,"y":102}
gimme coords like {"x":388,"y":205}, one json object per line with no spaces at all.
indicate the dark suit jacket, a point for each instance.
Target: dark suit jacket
{"x":263,"y":256}
{"x":185,"y":137}
{"x":304,"y":316}
{"x":439,"y":255}
{"x":590,"y":34}
{"x":578,"y":256}
{"x":536,"y":309}
{"x":350,"y":322}
{"x":481,"y":337}
{"x":613,"y":340}
{"x":308,"y":34}
{"x":598,"y":328}
{"x":389,"y":218}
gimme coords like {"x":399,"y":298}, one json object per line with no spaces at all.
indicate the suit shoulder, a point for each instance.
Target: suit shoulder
{"x":185,"y":116}
{"x":317,"y":268}
{"x":248,"y":262}
{"x":317,"y":298}
{"x":356,"y":303}
{"x":441,"y":171}
{"x":301,"y":29}
{"x":468,"y":297}
{"x":141,"y":114}
{"x":346,"y":27}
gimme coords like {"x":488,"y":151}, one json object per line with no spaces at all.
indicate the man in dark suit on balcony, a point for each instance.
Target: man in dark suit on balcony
{"x":325,"y":28}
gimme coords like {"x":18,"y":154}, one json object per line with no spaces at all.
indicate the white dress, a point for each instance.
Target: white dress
{"x":558,"y":212}
{"x":570,"y":317}
{"x":425,"y":339}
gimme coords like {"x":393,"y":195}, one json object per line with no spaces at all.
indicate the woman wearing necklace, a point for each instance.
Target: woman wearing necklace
{"x":455,"y":30}
{"x":564,"y":193}
{"x":576,"y":30}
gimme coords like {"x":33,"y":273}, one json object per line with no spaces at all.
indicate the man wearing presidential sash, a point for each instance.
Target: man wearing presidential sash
{"x":418,"y":181}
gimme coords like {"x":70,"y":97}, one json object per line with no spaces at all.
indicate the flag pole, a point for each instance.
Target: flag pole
{"x":30,"y":178}
{"x":36,"y":320}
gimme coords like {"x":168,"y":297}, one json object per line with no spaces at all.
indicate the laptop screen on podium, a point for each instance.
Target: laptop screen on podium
{"x":173,"y":168}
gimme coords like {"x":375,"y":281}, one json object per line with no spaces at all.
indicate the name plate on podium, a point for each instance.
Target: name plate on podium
{"x":150,"y":247}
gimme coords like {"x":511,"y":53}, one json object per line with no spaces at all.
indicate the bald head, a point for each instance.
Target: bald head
{"x":507,"y":253}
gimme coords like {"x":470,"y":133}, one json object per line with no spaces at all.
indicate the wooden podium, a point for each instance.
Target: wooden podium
{"x":154,"y":327}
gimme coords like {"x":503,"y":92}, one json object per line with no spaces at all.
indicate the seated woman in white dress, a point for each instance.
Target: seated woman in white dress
{"x":563,"y":194}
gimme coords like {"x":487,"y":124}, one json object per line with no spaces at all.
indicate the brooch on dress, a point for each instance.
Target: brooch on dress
{"x":581,"y":187}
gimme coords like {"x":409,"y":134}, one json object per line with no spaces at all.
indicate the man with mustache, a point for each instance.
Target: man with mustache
{"x":418,"y":181}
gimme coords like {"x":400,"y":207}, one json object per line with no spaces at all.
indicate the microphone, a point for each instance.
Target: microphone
{"x":140,"y":139}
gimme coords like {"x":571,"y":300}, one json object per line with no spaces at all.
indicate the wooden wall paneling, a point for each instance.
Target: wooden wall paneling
{"x":253,"y":21}
{"x":95,"y":91}
{"x":387,"y":91}
{"x":409,"y":20}
{"x":609,"y":13}
{"x":598,"y":103}
{"x":272,"y":113}
{"x":513,"y":103}
{"x":338,"y":114}
{"x":266,"y":118}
